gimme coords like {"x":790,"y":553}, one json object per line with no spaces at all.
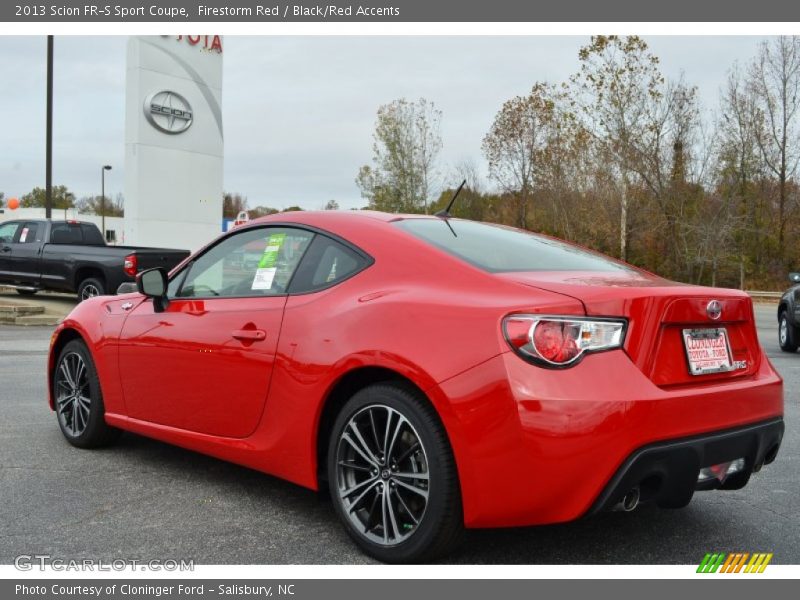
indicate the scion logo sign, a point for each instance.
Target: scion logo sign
{"x":714,"y":310}
{"x":168,"y":112}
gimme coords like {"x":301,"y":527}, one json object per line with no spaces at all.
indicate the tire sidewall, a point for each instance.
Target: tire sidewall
{"x":96,"y":411}
{"x":791,"y":341}
{"x":416,"y":545}
{"x":91,"y":281}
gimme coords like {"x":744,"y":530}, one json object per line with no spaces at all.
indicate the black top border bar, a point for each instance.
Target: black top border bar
{"x":400,"y":11}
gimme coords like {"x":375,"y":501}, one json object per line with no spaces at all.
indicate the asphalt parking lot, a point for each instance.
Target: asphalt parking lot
{"x":143,"y":499}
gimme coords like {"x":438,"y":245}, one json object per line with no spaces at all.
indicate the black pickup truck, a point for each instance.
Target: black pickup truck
{"x":71,"y":256}
{"x":789,"y":316}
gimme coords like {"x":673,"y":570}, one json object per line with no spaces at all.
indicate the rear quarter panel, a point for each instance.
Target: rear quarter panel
{"x":425,"y":319}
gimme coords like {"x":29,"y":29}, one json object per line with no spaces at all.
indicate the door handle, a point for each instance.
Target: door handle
{"x":5,"y":249}
{"x":249,"y":334}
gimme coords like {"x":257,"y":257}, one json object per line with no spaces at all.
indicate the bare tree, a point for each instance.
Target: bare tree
{"x":233,"y":204}
{"x":618,"y":81}
{"x":467,"y":169}
{"x":740,"y":167}
{"x":775,"y":77}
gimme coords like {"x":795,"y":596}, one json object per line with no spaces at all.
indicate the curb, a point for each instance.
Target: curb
{"x":20,"y":314}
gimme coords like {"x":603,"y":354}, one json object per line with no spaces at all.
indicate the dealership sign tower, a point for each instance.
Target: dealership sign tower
{"x":173,"y":140}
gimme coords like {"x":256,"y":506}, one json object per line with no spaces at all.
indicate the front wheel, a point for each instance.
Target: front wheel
{"x":392,"y":476}
{"x":787,"y":333}
{"x":78,"y":399}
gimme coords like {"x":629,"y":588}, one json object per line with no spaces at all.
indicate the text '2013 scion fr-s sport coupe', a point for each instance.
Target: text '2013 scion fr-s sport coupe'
{"x":434,"y":374}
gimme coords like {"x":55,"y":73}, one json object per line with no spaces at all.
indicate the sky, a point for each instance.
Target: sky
{"x":299,"y":111}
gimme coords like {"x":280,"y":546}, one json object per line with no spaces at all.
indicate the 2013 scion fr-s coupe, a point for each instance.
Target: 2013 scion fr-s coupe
{"x":434,"y":374}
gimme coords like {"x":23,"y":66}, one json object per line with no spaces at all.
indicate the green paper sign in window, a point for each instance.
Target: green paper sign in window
{"x":267,"y":266}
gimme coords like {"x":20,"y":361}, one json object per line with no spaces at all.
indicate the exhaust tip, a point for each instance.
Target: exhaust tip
{"x":631,"y":500}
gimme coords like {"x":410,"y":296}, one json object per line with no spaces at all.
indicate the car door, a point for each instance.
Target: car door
{"x":204,"y":364}
{"x":796,"y":302}
{"x":26,"y":253}
{"x":8,"y":233}
{"x":58,"y":261}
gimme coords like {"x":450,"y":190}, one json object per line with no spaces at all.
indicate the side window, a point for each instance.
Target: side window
{"x":256,"y":262}
{"x":91,"y":235}
{"x":8,"y":231}
{"x":326,"y":263}
{"x":28,"y":233}
{"x":66,"y":233}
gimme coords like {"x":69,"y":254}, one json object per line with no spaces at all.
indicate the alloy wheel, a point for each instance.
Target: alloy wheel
{"x":783,"y":331}
{"x":73,"y":398}
{"x":382,"y":475}
{"x":89,"y":291}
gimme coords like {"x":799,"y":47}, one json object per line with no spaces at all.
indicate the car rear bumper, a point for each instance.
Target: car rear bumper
{"x":667,"y":472}
{"x":537,"y":446}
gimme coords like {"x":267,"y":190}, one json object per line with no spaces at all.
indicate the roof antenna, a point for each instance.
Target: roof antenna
{"x":445,"y":214}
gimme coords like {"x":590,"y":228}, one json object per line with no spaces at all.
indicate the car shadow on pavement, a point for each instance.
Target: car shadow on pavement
{"x":646,"y":536}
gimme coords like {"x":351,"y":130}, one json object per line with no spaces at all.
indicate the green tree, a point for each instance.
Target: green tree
{"x":36,"y":198}
{"x":261,"y":211}
{"x":514,"y":146}
{"x":472,"y":203}
{"x":332,"y":205}
{"x":113,"y":207}
{"x":406,"y":147}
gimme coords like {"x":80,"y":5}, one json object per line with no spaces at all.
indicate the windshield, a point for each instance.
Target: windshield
{"x":500,"y":249}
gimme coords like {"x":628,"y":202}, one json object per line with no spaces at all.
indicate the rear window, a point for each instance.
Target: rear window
{"x":92,"y":235}
{"x":500,"y":249}
{"x":76,"y":233}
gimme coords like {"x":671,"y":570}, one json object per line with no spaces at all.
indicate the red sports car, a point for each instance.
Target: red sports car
{"x":433,"y":373}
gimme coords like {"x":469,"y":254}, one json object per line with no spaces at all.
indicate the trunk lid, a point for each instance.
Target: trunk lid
{"x":658,"y":311}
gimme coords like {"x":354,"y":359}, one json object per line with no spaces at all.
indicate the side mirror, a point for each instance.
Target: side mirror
{"x":153,"y":284}
{"x":794,"y":277}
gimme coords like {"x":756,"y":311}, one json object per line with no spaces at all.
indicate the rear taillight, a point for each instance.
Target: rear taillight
{"x":554,"y":341}
{"x":130,"y":265}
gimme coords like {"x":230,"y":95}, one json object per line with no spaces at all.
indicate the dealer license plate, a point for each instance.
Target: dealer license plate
{"x":707,"y":350}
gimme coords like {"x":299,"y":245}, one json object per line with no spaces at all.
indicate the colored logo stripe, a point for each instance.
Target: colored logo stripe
{"x":734,"y":562}
{"x":711,"y":563}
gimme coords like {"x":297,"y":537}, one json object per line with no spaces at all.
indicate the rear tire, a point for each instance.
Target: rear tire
{"x":91,"y":287}
{"x":78,"y":399}
{"x":26,"y":292}
{"x":788,"y":336}
{"x":400,"y":501}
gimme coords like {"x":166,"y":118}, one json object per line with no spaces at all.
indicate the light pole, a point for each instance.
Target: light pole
{"x":48,"y":177}
{"x":103,"y":197}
